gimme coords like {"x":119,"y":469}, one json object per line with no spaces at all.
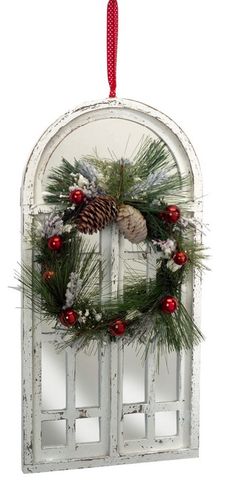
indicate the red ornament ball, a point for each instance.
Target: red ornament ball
{"x":55,"y":243}
{"x":180,"y":258}
{"x":117,"y":328}
{"x":169,"y":304}
{"x":172,"y":213}
{"x":48,"y":275}
{"x":68,"y":317}
{"x":77,"y":196}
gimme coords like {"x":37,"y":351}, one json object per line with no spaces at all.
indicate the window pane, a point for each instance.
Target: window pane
{"x":53,"y":433}
{"x":166,"y":385}
{"x":135,"y":268}
{"x":165,"y":424}
{"x":93,"y":240}
{"x":87,"y":379}
{"x":53,"y":378}
{"x":131,"y":247}
{"x":87,"y":430}
{"x":134,"y":426}
{"x":134,"y":376}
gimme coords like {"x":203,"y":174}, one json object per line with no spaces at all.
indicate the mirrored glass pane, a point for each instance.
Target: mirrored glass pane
{"x":134,"y":376}
{"x":46,"y":326}
{"x":131,"y":247}
{"x":93,"y":240}
{"x":53,"y":378}
{"x":166,"y":384}
{"x":134,"y":426}
{"x":53,"y":433}
{"x":109,"y":137}
{"x":165,"y":424}
{"x":135,"y":268}
{"x":87,"y":379}
{"x":87,"y":430}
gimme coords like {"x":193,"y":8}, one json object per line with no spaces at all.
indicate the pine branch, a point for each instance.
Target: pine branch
{"x":77,"y":256}
{"x":145,"y":182}
{"x":63,"y":177}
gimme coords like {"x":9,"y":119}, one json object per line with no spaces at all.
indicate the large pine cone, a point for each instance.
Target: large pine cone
{"x":100,"y":212}
{"x":132,"y":224}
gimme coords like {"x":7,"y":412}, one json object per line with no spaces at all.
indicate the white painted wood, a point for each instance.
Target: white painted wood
{"x":111,"y":448}
{"x":170,"y":454}
{"x":114,"y":351}
{"x":27,"y":361}
{"x":70,"y":398}
{"x":36,"y":386}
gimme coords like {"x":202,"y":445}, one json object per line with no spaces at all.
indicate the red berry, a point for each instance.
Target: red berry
{"x":172,"y":213}
{"x":169,"y":304}
{"x":68,"y":317}
{"x":77,"y":196}
{"x":117,"y":328}
{"x":180,"y":258}
{"x":55,"y":243}
{"x":48,"y":275}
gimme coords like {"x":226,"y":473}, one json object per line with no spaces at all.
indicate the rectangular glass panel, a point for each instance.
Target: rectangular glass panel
{"x":133,"y":377}
{"x":134,"y":426}
{"x":46,"y":326}
{"x":132,"y":247}
{"x":53,"y":433}
{"x":87,"y":379}
{"x":165,"y":424}
{"x":53,"y":377}
{"x":166,"y":379}
{"x":87,"y":430}
{"x":135,"y":269}
{"x":93,"y":240}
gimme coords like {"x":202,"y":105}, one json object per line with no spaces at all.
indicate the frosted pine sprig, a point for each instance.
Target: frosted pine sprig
{"x":73,"y":289}
{"x":52,"y":225}
{"x":153,"y":179}
{"x":87,"y":170}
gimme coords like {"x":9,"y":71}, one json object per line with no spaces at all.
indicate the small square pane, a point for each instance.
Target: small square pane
{"x":87,"y":430}
{"x":134,"y":426}
{"x":53,"y":433}
{"x":165,"y":424}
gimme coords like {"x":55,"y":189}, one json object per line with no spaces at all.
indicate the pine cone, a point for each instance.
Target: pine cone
{"x":100,"y":212}
{"x":132,"y":224}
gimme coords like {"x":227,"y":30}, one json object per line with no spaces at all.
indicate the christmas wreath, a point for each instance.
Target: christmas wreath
{"x":146,"y":197}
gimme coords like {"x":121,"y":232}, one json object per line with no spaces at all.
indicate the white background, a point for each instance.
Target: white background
{"x":179,"y":56}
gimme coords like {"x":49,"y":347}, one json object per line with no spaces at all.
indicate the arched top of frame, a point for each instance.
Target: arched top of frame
{"x":154,"y":121}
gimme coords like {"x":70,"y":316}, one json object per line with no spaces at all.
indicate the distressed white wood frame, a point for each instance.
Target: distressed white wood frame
{"x":113,"y":449}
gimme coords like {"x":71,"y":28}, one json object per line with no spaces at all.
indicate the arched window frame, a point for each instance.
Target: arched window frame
{"x":32,"y":204}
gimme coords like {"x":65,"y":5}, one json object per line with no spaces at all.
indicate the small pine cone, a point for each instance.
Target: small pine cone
{"x":100,"y":212}
{"x":132,"y":224}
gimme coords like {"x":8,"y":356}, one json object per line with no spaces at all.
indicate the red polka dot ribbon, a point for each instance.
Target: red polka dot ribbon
{"x":112,"y":44}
